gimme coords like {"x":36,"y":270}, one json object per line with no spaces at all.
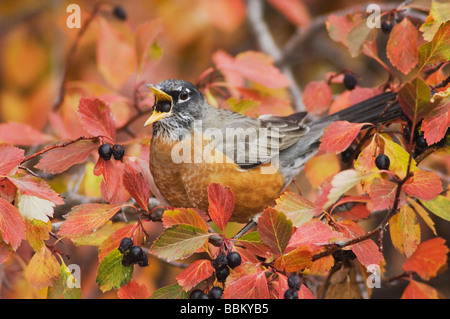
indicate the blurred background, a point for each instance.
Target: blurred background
{"x":187,"y":39}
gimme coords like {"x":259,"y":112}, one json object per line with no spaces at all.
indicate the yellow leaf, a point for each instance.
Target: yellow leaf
{"x":423,"y":213}
{"x":398,"y":157}
{"x":43,"y":269}
{"x":320,"y":167}
{"x":405,"y":230}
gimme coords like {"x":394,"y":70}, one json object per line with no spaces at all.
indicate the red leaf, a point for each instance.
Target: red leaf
{"x":419,"y":290}
{"x":255,"y":66}
{"x":349,"y":98}
{"x":133,"y":290}
{"x":22,"y":134}
{"x":366,"y":251}
{"x":34,"y":186}
{"x":402,"y":49}
{"x":12,"y":226}
{"x":146,"y":35}
{"x":317,"y":97}
{"x":294,"y":10}
{"x":295,"y":260}
{"x":135,"y":183}
{"x":357,"y":212}
{"x":86,"y":217}
{"x":428,"y":258}
{"x":275,"y":230}
{"x":382,"y":193}
{"x":424,"y":185}
{"x":96,"y":117}
{"x":339,"y":135}
{"x":313,"y":233}
{"x":62,"y":158}
{"x":10,"y":158}
{"x":196,"y":272}
{"x":247,"y":281}
{"x":338,"y":27}
{"x":221,"y":204}
{"x":112,"y":187}
{"x":436,"y":123}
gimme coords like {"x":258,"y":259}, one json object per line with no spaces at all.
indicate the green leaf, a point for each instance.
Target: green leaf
{"x":179,"y":241}
{"x":170,"y":292}
{"x":439,"y":206}
{"x":111,"y":273}
{"x":66,"y":287}
{"x":275,"y":230}
{"x":438,"y":50}
{"x":414,"y":98}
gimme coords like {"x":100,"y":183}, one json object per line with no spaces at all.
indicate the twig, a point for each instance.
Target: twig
{"x":255,"y":16}
{"x":63,"y":144}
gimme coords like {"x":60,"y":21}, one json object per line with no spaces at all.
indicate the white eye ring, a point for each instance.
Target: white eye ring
{"x":184,"y":96}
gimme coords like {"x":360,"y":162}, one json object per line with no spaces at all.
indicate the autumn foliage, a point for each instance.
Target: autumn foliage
{"x":61,"y":203}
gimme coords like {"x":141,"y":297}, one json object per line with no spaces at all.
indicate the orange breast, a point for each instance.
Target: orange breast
{"x":183,"y":171}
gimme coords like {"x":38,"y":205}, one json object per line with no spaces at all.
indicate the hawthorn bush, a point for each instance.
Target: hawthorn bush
{"x":76,"y":188}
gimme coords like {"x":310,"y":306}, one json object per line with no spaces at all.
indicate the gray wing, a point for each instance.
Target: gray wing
{"x":251,"y":142}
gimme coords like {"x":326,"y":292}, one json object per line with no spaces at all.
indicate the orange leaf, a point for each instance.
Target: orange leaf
{"x":297,"y":208}
{"x":402,"y":49}
{"x":317,"y":97}
{"x":428,"y":259}
{"x":12,"y":226}
{"x":43,"y":269}
{"x":383,"y":193}
{"x":10,"y":158}
{"x":424,"y":185}
{"x":314,"y":233}
{"x":221,"y":204}
{"x":247,"y":281}
{"x":186,"y":216}
{"x":339,"y":135}
{"x":86,"y":217}
{"x":295,"y":260}
{"x":133,"y":290}
{"x":419,"y":290}
{"x":34,"y":186}
{"x":196,"y":272}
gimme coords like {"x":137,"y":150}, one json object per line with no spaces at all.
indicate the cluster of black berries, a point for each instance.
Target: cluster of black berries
{"x":106,"y":151}
{"x":294,"y":284}
{"x":222,"y":265}
{"x":214,"y":293}
{"x":132,"y":254}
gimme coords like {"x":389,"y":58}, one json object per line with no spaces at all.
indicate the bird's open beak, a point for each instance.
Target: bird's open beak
{"x":163,"y":105}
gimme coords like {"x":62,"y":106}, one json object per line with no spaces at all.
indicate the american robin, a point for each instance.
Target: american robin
{"x":195,"y":144}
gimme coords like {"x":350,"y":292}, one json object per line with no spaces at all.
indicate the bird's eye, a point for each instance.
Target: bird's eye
{"x":184,"y":96}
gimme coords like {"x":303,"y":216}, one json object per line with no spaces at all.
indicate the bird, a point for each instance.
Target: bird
{"x":195,"y":144}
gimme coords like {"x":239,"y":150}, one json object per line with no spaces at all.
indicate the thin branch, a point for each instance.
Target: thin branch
{"x":255,"y":16}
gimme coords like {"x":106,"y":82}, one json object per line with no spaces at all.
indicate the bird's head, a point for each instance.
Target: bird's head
{"x":177,"y":105}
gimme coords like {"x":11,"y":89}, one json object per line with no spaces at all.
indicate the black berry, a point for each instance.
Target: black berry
{"x":118,"y":151}
{"x":386,"y":27}
{"x":136,"y":254}
{"x":421,"y":142}
{"x":220,"y":261}
{"x":294,"y":282}
{"x":125,"y":244}
{"x":222,"y":273}
{"x":215,"y":293}
{"x":120,"y":13}
{"x":291,"y":294}
{"x":143,"y":262}
{"x":196,"y":294}
{"x":382,"y":161}
{"x":126,"y":259}
{"x":234,"y":259}
{"x":105,"y":151}
{"x":157,"y":214}
{"x":350,"y":81}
